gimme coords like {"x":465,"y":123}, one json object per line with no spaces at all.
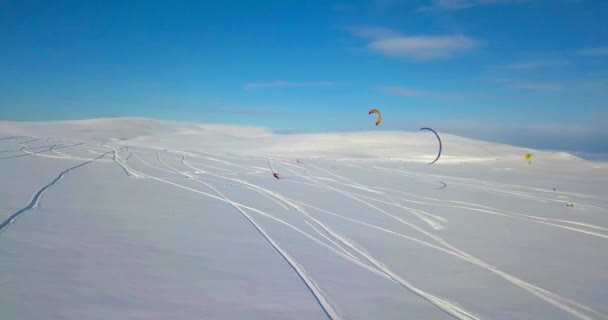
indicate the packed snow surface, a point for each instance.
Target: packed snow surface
{"x":144,"y":219}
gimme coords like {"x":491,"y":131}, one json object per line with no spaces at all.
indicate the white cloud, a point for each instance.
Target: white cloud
{"x":599,"y":51}
{"x":424,"y":47}
{"x":549,"y":136}
{"x":524,"y":85}
{"x":282,"y":83}
{"x":393,"y":44}
{"x":453,"y":4}
{"x":535,"y":86}
{"x":463,"y":4}
{"x":538,"y":64}
{"x":405,"y":92}
{"x":373,"y":33}
{"x":409,"y":92}
{"x":558,"y":135}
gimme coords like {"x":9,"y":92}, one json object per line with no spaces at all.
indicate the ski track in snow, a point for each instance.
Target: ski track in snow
{"x":210,"y":169}
{"x":320,"y":298}
{"x":444,"y":305}
{"x":34,"y":202}
{"x":575,"y":309}
{"x":483,"y":186}
{"x":549,"y":297}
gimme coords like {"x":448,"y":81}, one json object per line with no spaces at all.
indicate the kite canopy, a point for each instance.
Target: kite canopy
{"x":440,"y":145}
{"x":379,"y":115}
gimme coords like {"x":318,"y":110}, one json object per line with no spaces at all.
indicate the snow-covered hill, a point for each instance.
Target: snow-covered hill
{"x":147,"y":219}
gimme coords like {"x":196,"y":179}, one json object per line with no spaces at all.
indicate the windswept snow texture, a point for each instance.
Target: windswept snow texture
{"x":144,"y":219}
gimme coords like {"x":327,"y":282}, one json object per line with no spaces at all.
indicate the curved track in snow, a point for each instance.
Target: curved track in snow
{"x":417,"y":217}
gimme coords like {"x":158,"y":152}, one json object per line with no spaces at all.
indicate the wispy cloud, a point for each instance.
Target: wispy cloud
{"x":409,"y":92}
{"x":447,"y":5}
{"x":405,"y":92}
{"x":282,"y":84}
{"x":534,"y":86}
{"x":598,"y":51}
{"x":462,"y":4}
{"x":427,"y":47}
{"x":247,"y":112}
{"x":538,"y":64}
{"x":526,"y":85}
{"x":255,"y":111}
{"x":558,"y":135}
{"x":373,"y":33}
{"x":424,"y":47}
{"x":548,"y":136}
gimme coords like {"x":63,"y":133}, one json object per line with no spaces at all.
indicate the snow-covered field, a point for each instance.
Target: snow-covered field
{"x":146,"y":219}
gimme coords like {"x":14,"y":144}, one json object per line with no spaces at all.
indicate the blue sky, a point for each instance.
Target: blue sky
{"x":527,"y":72}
